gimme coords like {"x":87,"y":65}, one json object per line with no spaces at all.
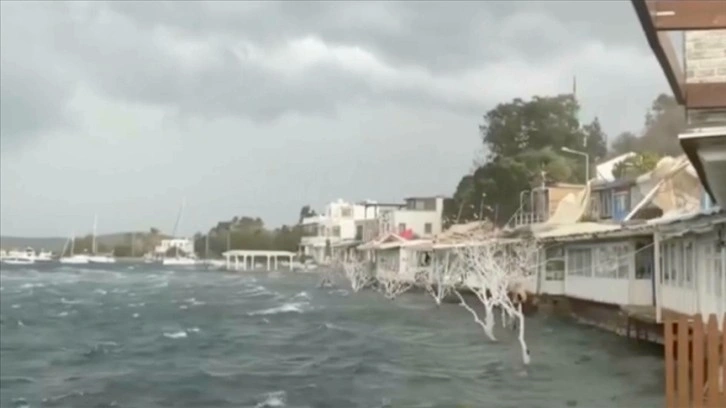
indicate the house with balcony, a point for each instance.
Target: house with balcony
{"x":422,"y":216}
{"x":334,"y":231}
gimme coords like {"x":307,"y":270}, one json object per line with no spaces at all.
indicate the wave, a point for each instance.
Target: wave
{"x":293,"y":307}
{"x":32,"y":285}
{"x":273,"y":400}
{"x":181,"y":334}
{"x":302,"y":295}
{"x":176,"y":335}
{"x":194,"y":302}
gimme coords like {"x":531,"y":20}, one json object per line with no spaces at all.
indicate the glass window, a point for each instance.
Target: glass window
{"x":401,"y":227}
{"x":673,"y":263}
{"x":605,"y":262}
{"x":716,"y":270}
{"x":336,"y":231}
{"x":428,"y":228}
{"x":579,"y":262}
{"x":688,"y":262}
{"x":606,"y":203}
{"x":554,"y":263}
{"x":624,"y":256}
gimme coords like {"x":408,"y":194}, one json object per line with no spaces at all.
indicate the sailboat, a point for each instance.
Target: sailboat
{"x":73,"y":259}
{"x":179,"y":259}
{"x":209,"y":262}
{"x":95,"y":257}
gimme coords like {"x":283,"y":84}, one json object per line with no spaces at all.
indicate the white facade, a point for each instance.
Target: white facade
{"x":423,"y":216}
{"x":335,"y":224}
{"x":693,"y":274}
{"x":617,"y":273}
{"x":185,"y":245}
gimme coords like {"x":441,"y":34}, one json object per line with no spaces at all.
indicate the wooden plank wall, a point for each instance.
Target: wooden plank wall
{"x":695,"y":358}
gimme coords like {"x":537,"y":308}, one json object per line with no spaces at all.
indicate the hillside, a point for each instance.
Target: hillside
{"x":56,"y":244}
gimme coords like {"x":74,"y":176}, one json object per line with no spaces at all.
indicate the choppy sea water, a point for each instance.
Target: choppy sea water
{"x":132,"y":336}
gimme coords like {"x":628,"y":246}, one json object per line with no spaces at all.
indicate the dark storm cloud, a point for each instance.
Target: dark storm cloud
{"x":110,"y":48}
{"x":442,"y":36}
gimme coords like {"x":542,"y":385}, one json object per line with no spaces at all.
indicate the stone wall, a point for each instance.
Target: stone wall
{"x":705,"y":56}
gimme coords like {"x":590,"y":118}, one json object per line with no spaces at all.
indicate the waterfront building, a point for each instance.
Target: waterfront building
{"x":183,"y":245}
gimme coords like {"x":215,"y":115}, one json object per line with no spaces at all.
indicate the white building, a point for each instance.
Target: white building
{"x":691,"y":258}
{"x":421,"y":215}
{"x":669,"y":265}
{"x":185,"y":245}
{"x":344,"y":224}
{"x":336,"y":224}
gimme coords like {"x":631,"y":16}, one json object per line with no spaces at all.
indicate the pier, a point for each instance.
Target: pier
{"x":234,"y":257}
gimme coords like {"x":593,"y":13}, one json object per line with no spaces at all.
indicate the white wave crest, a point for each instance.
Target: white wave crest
{"x":31,"y":285}
{"x":176,"y":335}
{"x":302,"y":295}
{"x":295,"y":307}
{"x":273,"y":400}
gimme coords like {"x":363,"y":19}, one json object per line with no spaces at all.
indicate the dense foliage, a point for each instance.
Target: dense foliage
{"x":524,"y":142}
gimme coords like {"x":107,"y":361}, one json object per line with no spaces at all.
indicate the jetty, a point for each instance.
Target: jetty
{"x":248,"y":257}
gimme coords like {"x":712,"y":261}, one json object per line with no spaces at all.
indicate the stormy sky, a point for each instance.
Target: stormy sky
{"x":125,"y":109}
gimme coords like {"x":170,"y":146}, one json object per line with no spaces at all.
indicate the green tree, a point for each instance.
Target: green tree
{"x":525,"y":140}
{"x":596,"y":140}
{"x":636,"y":165}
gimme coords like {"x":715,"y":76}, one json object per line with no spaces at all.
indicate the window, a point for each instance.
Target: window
{"x":359,"y":232}
{"x":644,"y":254}
{"x":624,"y":257}
{"x":674,"y":261}
{"x":579,"y":262}
{"x":620,"y":205}
{"x":336,"y":231}
{"x":606,"y":204}
{"x":346,"y":212}
{"x":595,"y":207}
{"x":664,"y":264}
{"x":713,"y":265}
{"x":688,"y":264}
{"x":555,"y":263}
{"x":606,"y":262}
{"x":401,"y":227}
{"x":321,"y":231}
{"x":428,"y":228}
{"x":430,"y":204}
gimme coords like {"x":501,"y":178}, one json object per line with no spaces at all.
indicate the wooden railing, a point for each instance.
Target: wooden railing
{"x":695,"y":358}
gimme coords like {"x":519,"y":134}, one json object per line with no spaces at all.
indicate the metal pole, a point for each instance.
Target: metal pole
{"x":587,"y":168}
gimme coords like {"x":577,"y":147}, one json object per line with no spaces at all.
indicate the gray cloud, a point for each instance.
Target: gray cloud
{"x":133,"y":89}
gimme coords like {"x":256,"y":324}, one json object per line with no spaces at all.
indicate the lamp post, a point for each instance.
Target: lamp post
{"x":587,"y":161}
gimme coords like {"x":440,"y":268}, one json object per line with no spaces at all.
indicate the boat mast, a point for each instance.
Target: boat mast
{"x":73,"y":243}
{"x":176,"y":224}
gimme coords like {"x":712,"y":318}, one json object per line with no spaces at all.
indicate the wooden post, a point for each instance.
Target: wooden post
{"x":697,"y":372}
{"x":682,"y":362}
{"x":713,"y":361}
{"x":670,"y":368}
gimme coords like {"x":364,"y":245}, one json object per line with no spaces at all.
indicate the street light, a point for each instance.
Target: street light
{"x":587,"y":161}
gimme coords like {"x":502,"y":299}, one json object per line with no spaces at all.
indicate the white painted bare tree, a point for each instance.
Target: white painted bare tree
{"x":358,"y":272}
{"x":388,"y":274}
{"x":497,"y":272}
{"x":391,"y":285}
{"x":441,"y":277}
